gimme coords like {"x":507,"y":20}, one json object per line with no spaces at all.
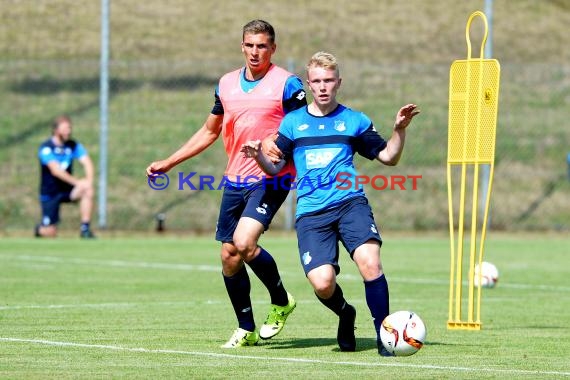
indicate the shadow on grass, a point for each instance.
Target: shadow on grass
{"x":43,"y":126}
{"x":184,"y":82}
{"x":362,"y":344}
{"x":50,"y":85}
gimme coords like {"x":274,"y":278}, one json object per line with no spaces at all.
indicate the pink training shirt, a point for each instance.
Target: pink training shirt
{"x":251,"y":116}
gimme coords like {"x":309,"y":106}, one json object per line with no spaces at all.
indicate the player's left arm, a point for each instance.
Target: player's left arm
{"x":253,"y":150}
{"x":80,"y":154}
{"x":88,"y":167}
{"x":391,"y":154}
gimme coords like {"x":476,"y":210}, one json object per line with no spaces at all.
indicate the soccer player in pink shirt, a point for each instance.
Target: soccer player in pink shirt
{"x":249,"y":105}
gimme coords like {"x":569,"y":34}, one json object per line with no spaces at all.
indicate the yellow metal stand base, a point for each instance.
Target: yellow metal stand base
{"x":451,"y":325}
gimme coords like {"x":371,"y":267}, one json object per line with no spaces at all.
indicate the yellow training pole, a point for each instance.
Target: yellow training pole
{"x":473,"y":100}
{"x":475,"y":191}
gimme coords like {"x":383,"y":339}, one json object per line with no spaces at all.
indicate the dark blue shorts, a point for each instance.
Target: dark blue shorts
{"x":351,"y":223}
{"x":50,"y":207}
{"x":259,"y":201}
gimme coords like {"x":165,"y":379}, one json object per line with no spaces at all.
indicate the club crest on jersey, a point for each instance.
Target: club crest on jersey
{"x":320,"y":158}
{"x":339,"y":125}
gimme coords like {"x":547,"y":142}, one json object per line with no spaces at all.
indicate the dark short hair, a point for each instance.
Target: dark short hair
{"x":259,"y":27}
{"x":60,"y":119}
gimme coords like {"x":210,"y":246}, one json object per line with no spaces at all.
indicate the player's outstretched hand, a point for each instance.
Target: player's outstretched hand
{"x":251,"y":148}
{"x":405,"y":116}
{"x":157,"y":167}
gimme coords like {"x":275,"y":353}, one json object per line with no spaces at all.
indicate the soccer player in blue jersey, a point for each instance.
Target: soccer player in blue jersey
{"x":58,"y":184}
{"x":322,"y":139}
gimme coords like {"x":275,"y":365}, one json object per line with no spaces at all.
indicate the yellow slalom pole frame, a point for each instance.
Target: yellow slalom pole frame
{"x":473,"y":103}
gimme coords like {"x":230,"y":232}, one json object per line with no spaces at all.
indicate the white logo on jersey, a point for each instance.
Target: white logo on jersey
{"x":339,"y":125}
{"x":322,"y":126}
{"x":320,"y":158}
{"x":262,"y":209}
{"x":301,"y":95}
{"x":46,"y":150}
{"x":373,"y":228}
{"x":302,"y":127}
{"x":307,"y":258}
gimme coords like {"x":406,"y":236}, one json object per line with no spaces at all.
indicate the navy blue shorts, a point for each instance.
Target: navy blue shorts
{"x":351,"y":223}
{"x":50,"y":207}
{"x":259,"y":201}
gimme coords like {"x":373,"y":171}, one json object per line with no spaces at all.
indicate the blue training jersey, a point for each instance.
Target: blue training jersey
{"x":64,"y":156}
{"x":323,"y":149}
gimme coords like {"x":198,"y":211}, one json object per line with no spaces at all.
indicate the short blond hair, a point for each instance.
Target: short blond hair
{"x":324,"y":60}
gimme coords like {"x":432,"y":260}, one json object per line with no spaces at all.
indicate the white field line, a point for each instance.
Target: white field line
{"x":285,"y":359}
{"x":113,"y":263}
{"x":114,"y":305}
{"x":213,"y":268}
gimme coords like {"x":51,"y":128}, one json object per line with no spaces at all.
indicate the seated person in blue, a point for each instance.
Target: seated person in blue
{"x":58,"y":184}
{"x":321,"y":139}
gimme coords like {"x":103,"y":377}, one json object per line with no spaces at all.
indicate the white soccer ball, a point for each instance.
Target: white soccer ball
{"x":489,"y":275}
{"x":403,"y":333}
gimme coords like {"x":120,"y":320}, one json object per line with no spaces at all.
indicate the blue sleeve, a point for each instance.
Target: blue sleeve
{"x":368,"y":143}
{"x":285,"y":145}
{"x":45,"y":154}
{"x":293,"y":94}
{"x":79,"y":151}
{"x":218,"y":108}
{"x":285,"y":139}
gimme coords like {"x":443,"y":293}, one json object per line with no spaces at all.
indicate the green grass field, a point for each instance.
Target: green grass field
{"x":155,"y":307}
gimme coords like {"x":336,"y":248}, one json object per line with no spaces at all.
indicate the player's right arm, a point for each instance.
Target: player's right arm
{"x":61,"y":174}
{"x":391,"y":154}
{"x":253,"y":150}
{"x":202,"y":139}
{"x":48,"y":159}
